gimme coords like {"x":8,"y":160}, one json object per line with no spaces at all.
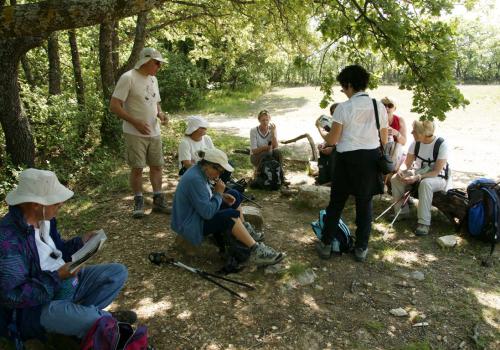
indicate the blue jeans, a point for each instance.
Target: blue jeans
{"x":98,"y":287}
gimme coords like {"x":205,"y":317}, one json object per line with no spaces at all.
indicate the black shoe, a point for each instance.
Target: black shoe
{"x":360,"y":254}
{"x":126,"y":316}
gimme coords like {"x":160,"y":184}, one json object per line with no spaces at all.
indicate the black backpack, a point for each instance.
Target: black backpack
{"x":435,"y":153}
{"x":270,"y":175}
{"x":483,"y":215}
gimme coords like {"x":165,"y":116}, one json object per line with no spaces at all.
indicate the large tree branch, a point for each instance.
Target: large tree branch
{"x":45,"y":17}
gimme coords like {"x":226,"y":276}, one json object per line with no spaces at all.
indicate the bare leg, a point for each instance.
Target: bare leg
{"x":240,"y":232}
{"x":136,"y":180}
{"x":155,"y":176}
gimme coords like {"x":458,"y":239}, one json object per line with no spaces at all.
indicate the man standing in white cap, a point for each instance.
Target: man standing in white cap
{"x":38,"y":293}
{"x":136,"y":100}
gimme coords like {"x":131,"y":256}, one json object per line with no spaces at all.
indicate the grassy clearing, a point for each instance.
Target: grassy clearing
{"x":231,"y":102}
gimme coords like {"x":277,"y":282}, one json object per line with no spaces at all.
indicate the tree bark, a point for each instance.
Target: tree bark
{"x":115,"y":46}
{"x":139,"y":39}
{"x":110,"y":126}
{"x":54,"y":65}
{"x":77,"y":69}
{"x":18,"y":137}
{"x":28,"y":74}
{"x":45,"y":17}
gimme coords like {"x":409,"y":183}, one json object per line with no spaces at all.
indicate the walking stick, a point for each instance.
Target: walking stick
{"x":407,"y":193}
{"x":159,"y":258}
{"x":406,"y":196}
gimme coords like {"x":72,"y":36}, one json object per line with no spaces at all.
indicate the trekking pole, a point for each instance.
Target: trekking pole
{"x":251,"y":200}
{"x":406,"y":196}
{"x":392,"y":205}
{"x":158,"y":258}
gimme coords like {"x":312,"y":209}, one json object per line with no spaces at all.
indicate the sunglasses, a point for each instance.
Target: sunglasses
{"x":389,"y":105}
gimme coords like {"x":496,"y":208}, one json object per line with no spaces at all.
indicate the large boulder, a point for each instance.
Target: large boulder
{"x":316,"y":197}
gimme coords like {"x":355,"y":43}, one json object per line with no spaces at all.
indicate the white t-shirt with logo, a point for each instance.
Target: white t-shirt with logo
{"x":357,"y":117}
{"x":140,"y":96}
{"x":188,"y":148}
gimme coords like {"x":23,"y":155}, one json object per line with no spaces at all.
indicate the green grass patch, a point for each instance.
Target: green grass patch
{"x":423,"y":345}
{"x":374,"y":326}
{"x":233,"y":102}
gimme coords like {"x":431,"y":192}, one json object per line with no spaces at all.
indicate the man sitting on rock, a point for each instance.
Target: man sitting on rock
{"x":38,"y":292}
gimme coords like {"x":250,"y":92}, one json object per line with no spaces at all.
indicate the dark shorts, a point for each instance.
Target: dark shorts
{"x":223,"y":219}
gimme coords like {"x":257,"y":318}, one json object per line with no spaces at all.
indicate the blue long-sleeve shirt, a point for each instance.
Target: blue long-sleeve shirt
{"x":193,"y":203}
{"x":24,"y":286}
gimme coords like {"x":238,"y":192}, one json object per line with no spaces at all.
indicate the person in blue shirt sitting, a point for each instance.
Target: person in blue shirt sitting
{"x":199,"y":211}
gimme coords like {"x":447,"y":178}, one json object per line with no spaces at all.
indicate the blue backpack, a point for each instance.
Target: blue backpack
{"x":342,"y":235}
{"x":483,"y":215}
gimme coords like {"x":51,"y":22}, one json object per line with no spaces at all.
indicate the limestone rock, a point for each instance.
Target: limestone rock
{"x":399,"y":312}
{"x":316,"y":197}
{"x":449,"y":241}
{"x":254,"y":216}
{"x":417,"y":275}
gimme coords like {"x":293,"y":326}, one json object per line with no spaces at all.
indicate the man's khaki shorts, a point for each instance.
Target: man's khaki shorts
{"x":141,"y":151}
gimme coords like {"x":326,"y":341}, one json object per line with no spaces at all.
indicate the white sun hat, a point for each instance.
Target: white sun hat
{"x":38,"y":186}
{"x":216,"y":156}
{"x":194,"y":123}
{"x":148,"y":53}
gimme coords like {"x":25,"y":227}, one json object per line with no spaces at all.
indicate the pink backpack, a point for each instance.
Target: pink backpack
{"x":109,"y":334}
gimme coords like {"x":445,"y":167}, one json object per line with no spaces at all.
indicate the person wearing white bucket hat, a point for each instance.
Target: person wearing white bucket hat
{"x":194,"y":140}
{"x":199,"y":211}
{"x":136,"y":100}
{"x":36,"y":286}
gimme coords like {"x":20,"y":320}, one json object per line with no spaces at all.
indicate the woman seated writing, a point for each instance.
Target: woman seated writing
{"x":199,"y":211}
{"x":431,"y":174}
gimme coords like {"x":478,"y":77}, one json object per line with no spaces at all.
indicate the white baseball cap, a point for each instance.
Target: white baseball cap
{"x":194,"y":123}
{"x":148,"y":53}
{"x":216,"y":156}
{"x":38,"y":186}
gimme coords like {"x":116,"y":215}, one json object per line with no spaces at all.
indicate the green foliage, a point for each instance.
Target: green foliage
{"x":182,"y":84}
{"x":233,"y":102}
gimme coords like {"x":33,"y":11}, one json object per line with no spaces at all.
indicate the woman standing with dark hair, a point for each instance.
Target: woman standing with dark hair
{"x":354,"y":131}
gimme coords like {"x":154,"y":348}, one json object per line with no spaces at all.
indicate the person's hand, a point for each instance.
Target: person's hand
{"x":219,"y":186}
{"x":228,"y":199}
{"x":163,"y":118}
{"x":142,"y":127}
{"x":64,"y":273}
{"x":326,"y":150}
{"x":272,"y":127}
{"x":88,"y":235}
{"x":411,"y":179}
{"x":318,"y":123}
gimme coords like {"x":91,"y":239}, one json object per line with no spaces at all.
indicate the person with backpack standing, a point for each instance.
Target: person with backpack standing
{"x":354,"y":131}
{"x":427,"y":168}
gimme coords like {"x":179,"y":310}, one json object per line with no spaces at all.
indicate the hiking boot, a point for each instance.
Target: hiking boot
{"x":422,"y":230}
{"x":126,"y":316}
{"x":324,"y":250}
{"x":138,"y":211}
{"x":360,"y":254}
{"x":256,"y":235}
{"x":160,"y":204}
{"x":263,"y":255}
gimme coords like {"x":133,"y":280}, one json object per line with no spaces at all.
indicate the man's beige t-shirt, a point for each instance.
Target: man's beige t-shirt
{"x":140,"y":95}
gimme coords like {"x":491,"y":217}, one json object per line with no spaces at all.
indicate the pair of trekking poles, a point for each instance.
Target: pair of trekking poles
{"x":161,"y":258}
{"x":403,"y":200}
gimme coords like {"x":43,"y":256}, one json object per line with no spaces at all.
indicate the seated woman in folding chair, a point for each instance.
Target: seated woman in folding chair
{"x":426,"y":167}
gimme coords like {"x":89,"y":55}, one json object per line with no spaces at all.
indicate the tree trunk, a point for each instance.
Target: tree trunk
{"x":18,"y":137}
{"x":28,"y":74}
{"x":115,"y":46}
{"x":139,"y":39}
{"x":77,"y":69}
{"x":110,"y":126}
{"x":54,"y":65}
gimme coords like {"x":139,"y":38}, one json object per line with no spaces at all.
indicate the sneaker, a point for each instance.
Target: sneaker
{"x":126,"y":316}
{"x":138,"y":211}
{"x":422,"y":230}
{"x":263,"y":255}
{"x":360,"y":254}
{"x":324,"y":250}
{"x":160,"y":204}
{"x":256,"y":235}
